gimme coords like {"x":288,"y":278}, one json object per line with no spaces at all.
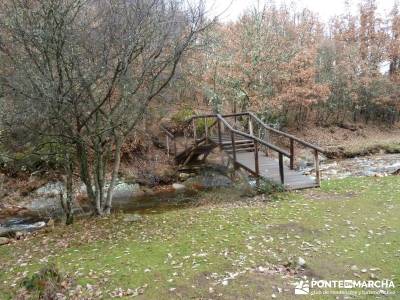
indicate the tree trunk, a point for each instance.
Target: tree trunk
{"x":99,"y":176}
{"x":117,"y":161}
{"x":84,"y":170}
{"x":67,"y":202}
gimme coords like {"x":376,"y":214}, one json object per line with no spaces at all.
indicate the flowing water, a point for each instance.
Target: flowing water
{"x":13,"y":225}
{"x":167,"y":198}
{"x":373,"y":165}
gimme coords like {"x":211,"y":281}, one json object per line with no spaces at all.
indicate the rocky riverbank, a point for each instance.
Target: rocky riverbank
{"x":44,"y":204}
{"x":373,"y":165}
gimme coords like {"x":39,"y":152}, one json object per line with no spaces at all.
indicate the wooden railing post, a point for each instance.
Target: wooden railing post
{"x":220,"y":139}
{"x":256,"y":162}
{"x":233,"y":149}
{"x":234,"y":112}
{"x":219,"y":133}
{"x":317,"y":171}
{"x":281,"y":174}
{"x":291,"y":154}
{"x":250,"y":126}
{"x":267,"y":139}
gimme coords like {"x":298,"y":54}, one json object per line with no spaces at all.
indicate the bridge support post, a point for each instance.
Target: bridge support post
{"x":281,"y":174}
{"x":233,"y":151}
{"x":291,"y":154}
{"x":317,"y":171}
{"x":220,"y":138}
{"x":256,"y":162}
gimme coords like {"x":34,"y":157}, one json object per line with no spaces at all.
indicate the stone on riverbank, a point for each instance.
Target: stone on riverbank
{"x":4,"y":241}
{"x":209,"y":181}
{"x":179,"y":187}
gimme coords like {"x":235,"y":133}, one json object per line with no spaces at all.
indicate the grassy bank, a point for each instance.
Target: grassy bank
{"x":231,"y":248}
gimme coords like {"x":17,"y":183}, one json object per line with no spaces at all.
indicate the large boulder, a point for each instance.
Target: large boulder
{"x":6,"y":232}
{"x":123,"y":188}
{"x":4,"y":241}
{"x":51,"y":189}
{"x":178,"y":187}
{"x":163,"y":175}
{"x":208,"y":181}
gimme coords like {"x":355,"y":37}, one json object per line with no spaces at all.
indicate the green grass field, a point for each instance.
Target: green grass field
{"x":230,"y":248}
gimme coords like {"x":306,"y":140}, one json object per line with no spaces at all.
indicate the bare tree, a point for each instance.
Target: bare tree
{"x":83,"y":72}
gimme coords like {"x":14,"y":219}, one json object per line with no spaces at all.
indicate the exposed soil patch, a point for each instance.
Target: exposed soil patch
{"x":294,"y":228}
{"x":318,"y":195}
{"x":257,"y":283}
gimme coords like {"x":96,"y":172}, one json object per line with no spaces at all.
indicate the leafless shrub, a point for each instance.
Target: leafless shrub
{"x":80,"y":74}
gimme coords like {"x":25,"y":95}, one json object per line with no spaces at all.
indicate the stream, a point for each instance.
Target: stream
{"x":130,"y":197}
{"x":366,"y":166}
{"x":14,"y":225}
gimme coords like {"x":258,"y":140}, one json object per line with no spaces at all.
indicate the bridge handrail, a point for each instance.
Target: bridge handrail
{"x":249,"y":136}
{"x":167,"y":132}
{"x":300,"y":141}
{"x":172,"y":136}
{"x":254,"y":117}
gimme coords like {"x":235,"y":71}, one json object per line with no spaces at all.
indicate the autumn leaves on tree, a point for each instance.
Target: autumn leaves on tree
{"x":293,"y":69}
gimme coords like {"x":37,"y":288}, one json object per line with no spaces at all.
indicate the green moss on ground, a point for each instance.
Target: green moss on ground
{"x":192,"y":252}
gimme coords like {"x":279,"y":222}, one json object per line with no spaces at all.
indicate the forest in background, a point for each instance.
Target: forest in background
{"x":293,"y":69}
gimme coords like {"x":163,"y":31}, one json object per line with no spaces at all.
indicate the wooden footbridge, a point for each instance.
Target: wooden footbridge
{"x":248,"y":142}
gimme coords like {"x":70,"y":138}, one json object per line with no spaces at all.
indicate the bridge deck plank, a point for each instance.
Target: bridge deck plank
{"x":269,"y":169}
